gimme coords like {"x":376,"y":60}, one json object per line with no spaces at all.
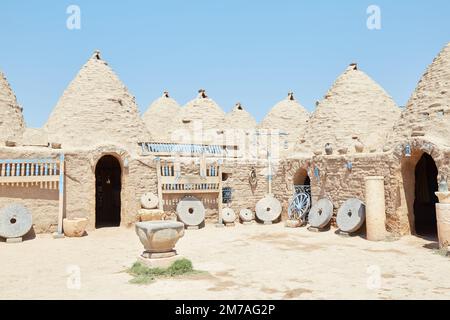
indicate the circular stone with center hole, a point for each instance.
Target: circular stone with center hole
{"x":149,"y":200}
{"x":228,"y":215}
{"x":246,"y":215}
{"x":15,"y":221}
{"x":351,"y":215}
{"x":320,"y":214}
{"x":268,"y":209}
{"x":191,"y":211}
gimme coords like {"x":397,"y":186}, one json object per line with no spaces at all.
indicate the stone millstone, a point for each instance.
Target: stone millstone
{"x":228,"y":215}
{"x":191,"y":211}
{"x":246,"y":215}
{"x":268,"y":209}
{"x":351,"y":215}
{"x":320,"y":214}
{"x":15,"y":221}
{"x":149,"y":200}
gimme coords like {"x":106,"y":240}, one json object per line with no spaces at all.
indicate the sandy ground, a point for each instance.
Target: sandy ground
{"x":245,"y":262}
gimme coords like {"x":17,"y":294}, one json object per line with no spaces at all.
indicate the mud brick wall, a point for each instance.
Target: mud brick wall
{"x":403,"y":168}
{"x":340,"y":184}
{"x":235,"y":176}
{"x":41,"y":202}
{"x":138,"y":177}
{"x":245,"y":196}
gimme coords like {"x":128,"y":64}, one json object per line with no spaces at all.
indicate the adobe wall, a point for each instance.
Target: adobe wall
{"x":237,"y":173}
{"x":244,"y":195}
{"x":42,"y":203}
{"x":404,"y":169}
{"x":79,"y":197}
{"x":138,"y":177}
{"x":189,"y":166}
{"x":340,"y":184}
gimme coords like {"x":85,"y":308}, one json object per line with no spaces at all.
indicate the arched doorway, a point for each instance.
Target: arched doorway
{"x":425,"y":200}
{"x":301,"y":178}
{"x":108,"y":185}
{"x":300,"y":204}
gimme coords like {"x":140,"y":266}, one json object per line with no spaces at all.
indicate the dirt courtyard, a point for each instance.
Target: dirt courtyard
{"x":245,"y":262}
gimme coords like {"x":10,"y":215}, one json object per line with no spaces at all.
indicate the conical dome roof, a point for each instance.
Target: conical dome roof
{"x":428,"y":110}
{"x":355,"y":108}
{"x":96,"y":109}
{"x":12,"y":124}
{"x":205,"y":109}
{"x":289,"y":117}
{"x":160,"y":118}
{"x":203,"y":119}
{"x":239,"y":118}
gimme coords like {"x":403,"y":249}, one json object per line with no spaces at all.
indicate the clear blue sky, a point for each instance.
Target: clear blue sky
{"x":252,"y":51}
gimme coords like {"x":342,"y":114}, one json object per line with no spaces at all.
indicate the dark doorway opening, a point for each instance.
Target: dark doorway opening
{"x":301,"y":178}
{"x":307,"y":181}
{"x":425,"y":199}
{"x":108,"y":185}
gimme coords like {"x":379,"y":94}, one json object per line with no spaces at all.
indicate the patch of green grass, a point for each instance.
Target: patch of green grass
{"x":145,"y":275}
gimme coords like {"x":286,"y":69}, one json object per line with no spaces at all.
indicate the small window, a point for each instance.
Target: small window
{"x":227,"y":194}
{"x":225,"y":176}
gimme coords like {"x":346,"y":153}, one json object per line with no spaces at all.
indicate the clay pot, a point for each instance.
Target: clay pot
{"x":444,"y":197}
{"x":75,"y":228}
{"x":159,"y":236}
{"x":359,"y":147}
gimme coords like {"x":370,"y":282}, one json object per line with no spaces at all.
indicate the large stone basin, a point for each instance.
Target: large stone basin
{"x":75,"y":228}
{"x":159,"y":237}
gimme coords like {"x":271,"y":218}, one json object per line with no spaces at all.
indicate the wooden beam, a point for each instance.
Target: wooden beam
{"x":61,"y":194}
{"x":190,"y":191}
{"x":29,"y":179}
{"x":220,"y":199}
{"x":160,"y":191}
{"x":189,"y":180}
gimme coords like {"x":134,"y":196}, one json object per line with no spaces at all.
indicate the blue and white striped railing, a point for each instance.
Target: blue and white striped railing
{"x":24,"y":172}
{"x":173,"y":148}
